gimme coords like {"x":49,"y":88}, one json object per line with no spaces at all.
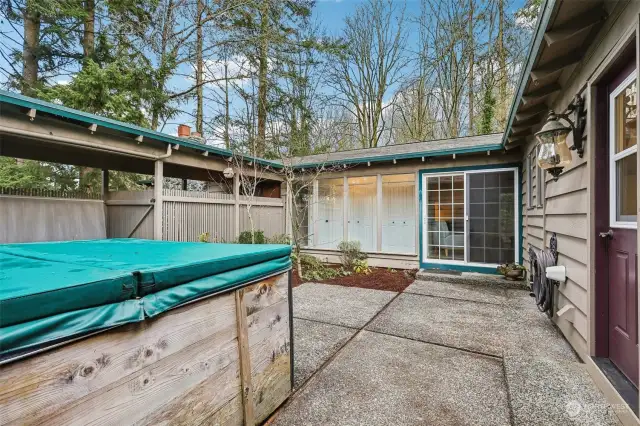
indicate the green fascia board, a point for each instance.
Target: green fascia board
{"x":405,"y":156}
{"x":74,"y":114}
{"x":541,"y":28}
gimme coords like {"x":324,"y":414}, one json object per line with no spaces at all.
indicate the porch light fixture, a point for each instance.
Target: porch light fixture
{"x":554,"y":153}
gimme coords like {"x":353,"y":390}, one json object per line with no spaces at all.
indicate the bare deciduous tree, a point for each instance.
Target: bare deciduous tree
{"x":370,"y":66}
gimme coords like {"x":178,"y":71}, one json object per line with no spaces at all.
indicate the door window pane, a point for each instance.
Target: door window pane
{"x":626,"y":118}
{"x":445,"y":217}
{"x":491,"y":217}
{"x":398,"y":213}
{"x":627,"y":184}
{"x":362,"y":225}
{"x":329,"y":223}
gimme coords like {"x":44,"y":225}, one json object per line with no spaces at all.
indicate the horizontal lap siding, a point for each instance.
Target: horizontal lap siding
{"x":565,"y":212}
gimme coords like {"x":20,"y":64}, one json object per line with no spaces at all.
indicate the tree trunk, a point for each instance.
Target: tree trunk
{"x":89,"y":34}
{"x":30,"y":49}
{"x":227,"y":118}
{"x":502,"y":63}
{"x":471,"y":64}
{"x":262,"y":79}
{"x":199,"y":70}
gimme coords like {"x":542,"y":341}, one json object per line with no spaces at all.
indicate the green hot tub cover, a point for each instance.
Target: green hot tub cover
{"x":54,"y":291}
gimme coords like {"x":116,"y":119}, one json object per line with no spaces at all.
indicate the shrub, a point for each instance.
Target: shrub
{"x":245,"y":237}
{"x":350,"y":253}
{"x":361,"y":267}
{"x":314,"y":270}
{"x":279,"y":239}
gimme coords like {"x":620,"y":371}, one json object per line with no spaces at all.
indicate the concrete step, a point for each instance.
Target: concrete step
{"x":472,"y":278}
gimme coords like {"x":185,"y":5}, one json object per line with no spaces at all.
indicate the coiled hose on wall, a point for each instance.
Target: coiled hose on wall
{"x":542,"y":287}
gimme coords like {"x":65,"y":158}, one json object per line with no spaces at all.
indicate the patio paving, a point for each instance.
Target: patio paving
{"x":453,"y":357}
{"x":333,"y":304}
{"x":315,"y":342}
{"x":486,"y":328}
{"x":386,"y":380}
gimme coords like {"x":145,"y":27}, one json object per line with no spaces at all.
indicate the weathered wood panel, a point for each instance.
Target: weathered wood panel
{"x":265,"y":218}
{"x":30,"y":219}
{"x":182,"y":367}
{"x":269,"y":344}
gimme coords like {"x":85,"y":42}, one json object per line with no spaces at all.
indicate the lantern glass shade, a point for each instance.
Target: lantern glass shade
{"x":554,"y":151}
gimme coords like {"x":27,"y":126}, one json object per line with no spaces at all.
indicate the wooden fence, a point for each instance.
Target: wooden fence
{"x":188,"y":214}
{"x":43,"y":215}
{"x":30,"y":215}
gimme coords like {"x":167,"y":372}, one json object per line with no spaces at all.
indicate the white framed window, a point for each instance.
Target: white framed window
{"x":623,"y":152}
{"x":470,"y":217}
{"x":530,"y":165}
{"x":535,"y":197}
{"x":540,"y":181}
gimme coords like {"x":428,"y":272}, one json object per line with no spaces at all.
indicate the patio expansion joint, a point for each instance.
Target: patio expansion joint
{"x":455,"y":298}
{"x":305,"y":384}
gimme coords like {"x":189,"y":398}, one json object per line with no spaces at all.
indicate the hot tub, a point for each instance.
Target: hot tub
{"x":129,"y":331}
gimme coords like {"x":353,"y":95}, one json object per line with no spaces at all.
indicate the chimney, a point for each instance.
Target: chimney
{"x":184,"y":131}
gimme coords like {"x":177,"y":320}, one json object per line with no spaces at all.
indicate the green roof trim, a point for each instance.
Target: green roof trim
{"x":541,"y":27}
{"x":74,"y":114}
{"x":405,"y":156}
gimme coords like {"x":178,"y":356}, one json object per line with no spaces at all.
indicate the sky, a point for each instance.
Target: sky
{"x":330,"y":14}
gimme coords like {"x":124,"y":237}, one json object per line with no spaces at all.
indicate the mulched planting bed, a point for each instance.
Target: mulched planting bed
{"x":379,"y":279}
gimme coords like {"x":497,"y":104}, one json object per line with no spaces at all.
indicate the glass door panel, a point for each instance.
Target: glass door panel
{"x":362,"y":224}
{"x":398,"y":214}
{"x":491,"y":217}
{"x":330,"y":224}
{"x":445,"y":217}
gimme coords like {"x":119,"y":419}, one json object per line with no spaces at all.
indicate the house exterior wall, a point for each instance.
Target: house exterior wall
{"x":568,"y":207}
{"x":414,"y":167}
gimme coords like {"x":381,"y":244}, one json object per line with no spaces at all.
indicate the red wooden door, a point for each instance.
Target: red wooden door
{"x":622,"y":244}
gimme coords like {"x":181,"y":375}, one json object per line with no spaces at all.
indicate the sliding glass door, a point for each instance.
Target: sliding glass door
{"x":470,"y":217}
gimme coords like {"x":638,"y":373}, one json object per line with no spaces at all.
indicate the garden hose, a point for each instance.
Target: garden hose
{"x":542,"y":287}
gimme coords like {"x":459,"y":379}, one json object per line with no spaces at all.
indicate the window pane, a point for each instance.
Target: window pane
{"x":362,"y":225}
{"x":398,"y":213}
{"x":329,"y":223}
{"x":626,"y":118}
{"x":627,"y":184}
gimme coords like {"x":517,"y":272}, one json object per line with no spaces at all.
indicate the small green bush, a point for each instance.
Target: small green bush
{"x":279,"y":239}
{"x":350,"y":252}
{"x":361,"y":267}
{"x":245,"y":237}
{"x":314,"y":270}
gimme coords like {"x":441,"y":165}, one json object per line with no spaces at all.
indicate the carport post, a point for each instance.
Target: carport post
{"x":157,"y":204}
{"x":236,"y":205}
{"x":105,"y":183}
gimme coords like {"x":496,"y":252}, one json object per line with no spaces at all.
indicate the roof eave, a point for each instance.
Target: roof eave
{"x":405,"y":156}
{"x":541,"y":27}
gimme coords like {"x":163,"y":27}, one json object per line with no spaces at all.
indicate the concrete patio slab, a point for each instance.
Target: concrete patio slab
{"x":471,"y":292}
{"x":315,"y":342}
{"x":551,"y":392}
{"x":473,"y":278}
{"x":521,"y":299}
{"x":333,"y":304}
{"x":385,"y":380}
{"x":479,"y":327}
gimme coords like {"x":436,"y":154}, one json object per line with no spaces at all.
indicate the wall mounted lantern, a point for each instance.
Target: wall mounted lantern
{"x":554,"y":153}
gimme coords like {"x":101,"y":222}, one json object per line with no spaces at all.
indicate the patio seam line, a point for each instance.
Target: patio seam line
{"x":466,"y":300}
{"x":329,"y":323}
{"x":328,"y":361}
{"x":512,"y":417}
{"x":442,"y":345}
